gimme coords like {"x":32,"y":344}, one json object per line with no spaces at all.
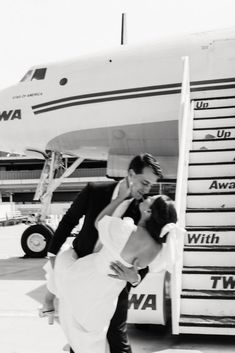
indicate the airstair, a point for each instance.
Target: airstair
{"x":207,"y":298}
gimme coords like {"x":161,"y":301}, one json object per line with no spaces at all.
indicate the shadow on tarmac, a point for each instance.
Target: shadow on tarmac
{"x":18,"y":268}
{"x":158,"y":338}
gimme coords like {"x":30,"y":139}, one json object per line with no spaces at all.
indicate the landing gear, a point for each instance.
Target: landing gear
{"x":35,"y":240}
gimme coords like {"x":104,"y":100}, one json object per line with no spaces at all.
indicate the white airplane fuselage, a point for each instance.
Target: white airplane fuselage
{"x":120,"y":103}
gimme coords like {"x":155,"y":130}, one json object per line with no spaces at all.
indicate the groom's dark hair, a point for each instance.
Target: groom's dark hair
{"x":144,"y":160}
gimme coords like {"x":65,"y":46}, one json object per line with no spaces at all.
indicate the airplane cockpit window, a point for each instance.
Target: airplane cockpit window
{"x":39,"y":74}
{"x":27,"y":76}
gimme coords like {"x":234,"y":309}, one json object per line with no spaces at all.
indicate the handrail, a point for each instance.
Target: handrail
{"x":184,"y":119}
{"x":185,"y":131}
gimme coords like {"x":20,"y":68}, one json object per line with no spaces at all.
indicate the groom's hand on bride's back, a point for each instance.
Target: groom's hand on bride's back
{"x":128,"y":274}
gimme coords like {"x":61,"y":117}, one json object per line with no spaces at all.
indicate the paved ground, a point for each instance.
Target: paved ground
{"x":21,"y":331}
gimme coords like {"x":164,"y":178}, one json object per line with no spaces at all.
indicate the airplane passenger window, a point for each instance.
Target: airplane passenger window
{"x":27,"y":76}
{"x":39,"y":74}
{"x":63,"y":81}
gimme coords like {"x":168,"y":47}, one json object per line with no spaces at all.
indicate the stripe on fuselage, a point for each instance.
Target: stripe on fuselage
{"x":138,"y":92}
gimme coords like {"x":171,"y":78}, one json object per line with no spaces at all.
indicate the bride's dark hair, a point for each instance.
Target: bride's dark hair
{"x":163,"y":212}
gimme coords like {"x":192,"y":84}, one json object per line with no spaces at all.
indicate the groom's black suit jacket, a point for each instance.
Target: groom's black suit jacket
{"x":89,"y":202}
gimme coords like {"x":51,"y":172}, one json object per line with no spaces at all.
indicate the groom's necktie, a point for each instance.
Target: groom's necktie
{"x":133,"y":211}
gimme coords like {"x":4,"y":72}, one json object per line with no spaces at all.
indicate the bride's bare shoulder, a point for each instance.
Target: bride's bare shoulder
{"x":142,"y":246}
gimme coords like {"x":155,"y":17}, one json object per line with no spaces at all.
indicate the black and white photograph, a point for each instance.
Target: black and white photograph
{"x":117,"y":176}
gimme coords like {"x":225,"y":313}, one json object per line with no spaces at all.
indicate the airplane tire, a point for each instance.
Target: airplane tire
{"x":35,"y":240}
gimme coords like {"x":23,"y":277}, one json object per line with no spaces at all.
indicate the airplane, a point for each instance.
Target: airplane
{"x":110,"y":106}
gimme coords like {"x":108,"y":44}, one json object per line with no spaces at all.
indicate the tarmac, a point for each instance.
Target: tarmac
{"x":22,"y":286}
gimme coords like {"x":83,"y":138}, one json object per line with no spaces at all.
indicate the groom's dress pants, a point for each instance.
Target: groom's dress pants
{"x":117,"y":332}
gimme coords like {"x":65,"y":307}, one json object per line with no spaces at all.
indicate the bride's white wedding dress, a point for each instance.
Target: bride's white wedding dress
{"x":87,"y":295}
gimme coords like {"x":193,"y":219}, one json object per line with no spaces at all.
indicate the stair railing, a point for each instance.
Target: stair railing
{"x":185,"y":140}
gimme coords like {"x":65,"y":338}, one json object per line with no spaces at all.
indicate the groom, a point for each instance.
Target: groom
{"x":143,"y":172}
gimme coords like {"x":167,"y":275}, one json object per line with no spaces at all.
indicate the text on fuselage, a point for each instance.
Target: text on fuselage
{"x":143,"y":301}
{"x":6,"y":115}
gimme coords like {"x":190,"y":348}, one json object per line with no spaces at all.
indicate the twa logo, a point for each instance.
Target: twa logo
{"x":143,"y":302}
{"x":10,"y":115}
{"x":226,"y":282}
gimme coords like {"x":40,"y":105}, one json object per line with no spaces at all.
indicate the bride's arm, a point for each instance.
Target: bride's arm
{"x":108,"y":210}
{"x":124,"y":192}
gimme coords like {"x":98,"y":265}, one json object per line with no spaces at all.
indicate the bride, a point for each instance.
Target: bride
{"x":86,"y":288}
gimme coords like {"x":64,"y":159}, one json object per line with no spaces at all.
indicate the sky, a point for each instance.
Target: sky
{"x":34,"y":32}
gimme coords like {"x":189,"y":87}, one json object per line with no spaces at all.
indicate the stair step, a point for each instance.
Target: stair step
{"x":210,"y":217}
{"x":209,"y":256}
{"x":211,"y":169}
{"x":208,"y":279}
{"x":212,"y":185}
{"x":214,"y":143}
{"x":209,"y":248}
{"x":211,"y":200}
{"x":208,"y":294}
{"x":213,"y":122}
{"x":221,"y":325}
{"x":208,"y":276}
{"x":212,"y":156}
{"x":210,"y":236}
{"x":215,"y":102}
{"x":218,"y":270}
{"x":216,"y":132}
{"x":215,"y":112}
{"x":208,"y":303}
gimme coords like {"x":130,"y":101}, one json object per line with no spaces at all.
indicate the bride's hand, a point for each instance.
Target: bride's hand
{"x":125,"y":188}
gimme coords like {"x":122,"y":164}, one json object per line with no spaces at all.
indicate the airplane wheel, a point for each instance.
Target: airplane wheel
{"x":35,"y":240}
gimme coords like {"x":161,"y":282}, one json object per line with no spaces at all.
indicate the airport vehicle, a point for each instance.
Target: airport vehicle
{"x":116,"y":104}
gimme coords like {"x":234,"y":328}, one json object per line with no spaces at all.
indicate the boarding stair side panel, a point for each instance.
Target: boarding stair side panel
{"x":207,"y":304}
